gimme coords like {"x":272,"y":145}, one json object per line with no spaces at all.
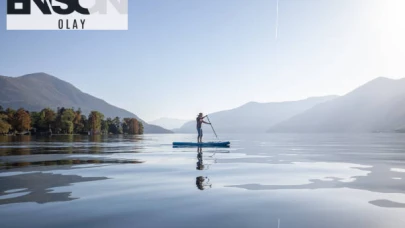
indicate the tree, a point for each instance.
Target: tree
{"x":4,"y":125}
{"x":36,"y":120}
{"x":134,"y":126}
{"x":48,"y":117}
{"x":67,"y":118}
{"x":95,"y":119}
{"x":125,"y":125}
{"x":104,"y":126}
{"x":131,"y":126}
{"x":85,"y":123}
{"x":10,"y":115}
{"x":22,"y":120}
{"x":117,"y":123}
{"x":140,"y":128}
{"x":77,"y":122}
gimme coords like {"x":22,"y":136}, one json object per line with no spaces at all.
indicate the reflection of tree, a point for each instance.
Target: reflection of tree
{"x":66,"y":144}
{"x":13,"y":165}
{"x":38,"y":187}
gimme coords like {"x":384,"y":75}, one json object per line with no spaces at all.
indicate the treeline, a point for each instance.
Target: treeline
{"x":65,"y":121}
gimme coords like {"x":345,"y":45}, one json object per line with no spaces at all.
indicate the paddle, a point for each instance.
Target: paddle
{"x":212,"y":127}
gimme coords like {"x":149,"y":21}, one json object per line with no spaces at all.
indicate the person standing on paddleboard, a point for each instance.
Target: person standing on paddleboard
{"x":200,"y":120}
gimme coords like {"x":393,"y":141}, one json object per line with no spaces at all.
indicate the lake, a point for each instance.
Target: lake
{"x":262,"y":180}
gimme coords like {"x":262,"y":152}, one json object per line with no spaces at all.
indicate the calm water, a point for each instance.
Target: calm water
{"x":263,"y":180}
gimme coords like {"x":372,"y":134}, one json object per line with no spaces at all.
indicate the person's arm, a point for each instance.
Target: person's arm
{"x":205,"y":122}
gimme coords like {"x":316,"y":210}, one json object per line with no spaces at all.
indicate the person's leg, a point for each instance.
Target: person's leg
{"x":199,"y":135}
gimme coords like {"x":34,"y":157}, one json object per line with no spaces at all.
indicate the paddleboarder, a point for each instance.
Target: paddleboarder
{"x":200,"y":120}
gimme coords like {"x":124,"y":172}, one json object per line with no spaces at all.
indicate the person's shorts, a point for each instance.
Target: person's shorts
{"x":200,"y":133}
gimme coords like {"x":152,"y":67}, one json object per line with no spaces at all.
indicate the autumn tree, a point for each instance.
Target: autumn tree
{"x":131,"y":126}
{"x":134,"y":127}
{"x":21,"y":120}
{"x":48,"y":117}
{"x":95,"y":119}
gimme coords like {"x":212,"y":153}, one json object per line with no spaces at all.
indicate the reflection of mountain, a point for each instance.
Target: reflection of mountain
{"x":37,"y":187}
{"x":387,"y":203}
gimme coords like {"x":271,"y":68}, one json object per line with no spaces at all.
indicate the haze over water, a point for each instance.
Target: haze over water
{"x":262,"y":180}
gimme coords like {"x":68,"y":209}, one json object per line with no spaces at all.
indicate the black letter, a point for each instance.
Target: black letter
{"x":75,"y":24}
{"x":83,"y":21}
{"x":43,"y":6}
{"x":60,"y":24}
{"x":70,"y":7}
{"x":73,"y":5}
{"x":26,"y":7}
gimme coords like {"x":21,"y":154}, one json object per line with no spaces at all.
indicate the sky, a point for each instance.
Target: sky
{"x":182,"y":57}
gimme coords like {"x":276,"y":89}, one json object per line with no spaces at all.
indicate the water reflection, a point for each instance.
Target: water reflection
{"x":67,"y":144}
{"x":37,"y":187}
{"x":387,"y":203}
{"x":379,"y":179}
{"x":63,"y":162}
{"x":201,"y":182}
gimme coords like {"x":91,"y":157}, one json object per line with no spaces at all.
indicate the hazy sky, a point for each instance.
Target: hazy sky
{"x":181,"y":57}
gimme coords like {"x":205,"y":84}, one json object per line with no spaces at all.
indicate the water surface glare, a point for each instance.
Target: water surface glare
{"x":262,"y":180}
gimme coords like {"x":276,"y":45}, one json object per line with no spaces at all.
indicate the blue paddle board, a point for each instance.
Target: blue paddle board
{"x":204,"y":144}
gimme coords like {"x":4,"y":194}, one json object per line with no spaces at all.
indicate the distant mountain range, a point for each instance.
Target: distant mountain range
{"x":255,"y":117}
{"x":168,"y":123}
{"x":377,"y":106}
{"x":37,"y":91}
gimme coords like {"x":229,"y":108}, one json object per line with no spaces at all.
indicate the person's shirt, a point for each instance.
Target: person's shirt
{"x":199,"y":121}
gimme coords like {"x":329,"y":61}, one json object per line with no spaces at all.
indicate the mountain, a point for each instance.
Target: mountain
{"x":255,"y":117}
{"x":37,"y":91}
{"x":377,"y":106}
{"x":168,"y":123}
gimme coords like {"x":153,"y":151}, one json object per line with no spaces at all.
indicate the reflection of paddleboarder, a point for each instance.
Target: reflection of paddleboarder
{"x":199,"y":181}
{"x":200,"y":164}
